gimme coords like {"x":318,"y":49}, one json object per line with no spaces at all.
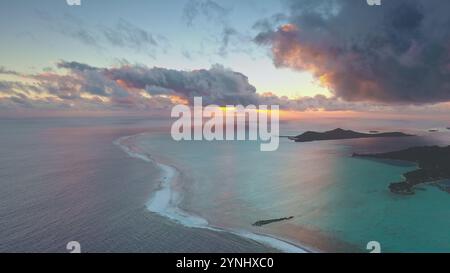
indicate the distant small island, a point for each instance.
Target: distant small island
{"x":433,"y":163}
{"x":342,"y":134}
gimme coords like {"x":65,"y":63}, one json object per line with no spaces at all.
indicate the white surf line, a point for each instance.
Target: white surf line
{"x":165,"y":201}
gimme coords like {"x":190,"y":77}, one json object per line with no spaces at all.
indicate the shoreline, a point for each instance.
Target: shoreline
{"x":165,"y":201}
{"x":431,"y":166}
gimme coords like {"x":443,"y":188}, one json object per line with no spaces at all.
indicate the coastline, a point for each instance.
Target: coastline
{"x":165,"y":202}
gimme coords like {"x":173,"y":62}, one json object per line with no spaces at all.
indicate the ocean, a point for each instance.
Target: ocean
{"x":121,"y":184}
{"x":63,"y":180}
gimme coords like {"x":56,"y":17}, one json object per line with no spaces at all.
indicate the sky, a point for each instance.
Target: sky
{"x":327,"y":55}
{"x":189,"y":35}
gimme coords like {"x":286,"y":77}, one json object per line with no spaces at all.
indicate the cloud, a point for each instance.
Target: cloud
{"x":129,"y":87}
{"x":216,"y":17}
{"x":5,"y":71}
{"x":398,"y":53}
{"x":126,"y":35}
{"x":221,"y":33}
{"x":266,"y":24}
{"x":71,"y":26}
{"x":140,"y":87}
{"x":122,"y":34}
{"x":227,"y":34}
{"x":232,"y":40}
{"x":217,"y":85}
{"x":75,"y":66}
{"x":74,"y":85}
{"x":209,"y":9}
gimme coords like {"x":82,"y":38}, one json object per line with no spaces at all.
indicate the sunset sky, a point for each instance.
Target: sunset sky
{"x":302,"y":55}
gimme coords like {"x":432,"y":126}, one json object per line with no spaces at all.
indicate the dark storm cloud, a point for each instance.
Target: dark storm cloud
{"x":396,"y":53}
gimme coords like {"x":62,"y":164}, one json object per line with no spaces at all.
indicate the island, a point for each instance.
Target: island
{"x":433,"y":165}
{"x":342,"y":134}
{"x":265,"y":222}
